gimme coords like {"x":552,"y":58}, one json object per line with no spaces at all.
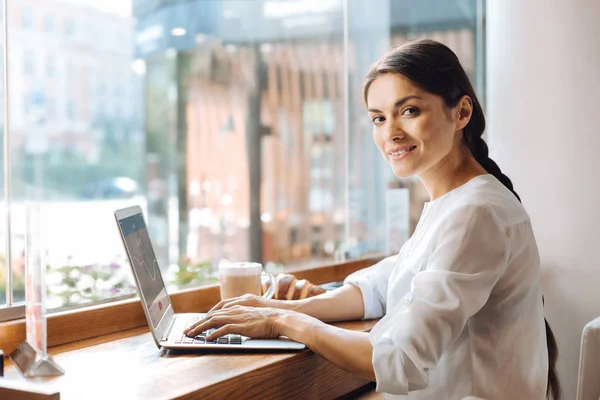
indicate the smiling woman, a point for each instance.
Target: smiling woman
{"x":439,"y":114}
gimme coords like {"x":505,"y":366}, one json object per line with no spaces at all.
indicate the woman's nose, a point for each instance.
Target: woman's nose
{"x":394,"y":132}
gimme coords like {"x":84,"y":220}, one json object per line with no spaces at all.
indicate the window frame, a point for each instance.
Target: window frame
{"x":13,"y":312}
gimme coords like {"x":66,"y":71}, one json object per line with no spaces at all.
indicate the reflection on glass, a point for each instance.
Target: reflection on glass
{"x":245,"y":131}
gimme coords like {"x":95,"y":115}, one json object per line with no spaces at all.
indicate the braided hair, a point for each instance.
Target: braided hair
{"x":479,"y":149}
{"x":436,"y":69}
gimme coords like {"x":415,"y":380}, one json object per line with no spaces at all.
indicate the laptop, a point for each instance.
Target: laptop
{"x":166,"y":325}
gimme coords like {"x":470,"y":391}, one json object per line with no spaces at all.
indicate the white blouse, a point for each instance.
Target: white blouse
{"x":461,"y":303}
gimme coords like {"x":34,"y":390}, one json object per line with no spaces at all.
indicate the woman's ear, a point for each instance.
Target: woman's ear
{"x":464,"y":111}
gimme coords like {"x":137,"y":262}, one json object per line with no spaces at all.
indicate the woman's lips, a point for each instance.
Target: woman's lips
{"x":401,"y":152}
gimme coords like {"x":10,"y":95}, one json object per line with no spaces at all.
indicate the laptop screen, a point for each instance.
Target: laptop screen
{"x":145,"y":266}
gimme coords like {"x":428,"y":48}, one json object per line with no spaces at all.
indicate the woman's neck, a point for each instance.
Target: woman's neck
{"x":454,"y":170}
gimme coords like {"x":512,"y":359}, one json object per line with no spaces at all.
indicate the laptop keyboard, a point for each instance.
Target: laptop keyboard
{"x":201,"y":337}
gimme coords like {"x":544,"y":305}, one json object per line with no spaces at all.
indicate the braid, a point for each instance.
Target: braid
{"x":481,"y":153}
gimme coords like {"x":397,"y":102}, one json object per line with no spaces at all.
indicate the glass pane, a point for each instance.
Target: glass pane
{"x":77,"y":142}
{"x":244,"y":132}
{"x":371,"y":34}
{"x":3,"y":264}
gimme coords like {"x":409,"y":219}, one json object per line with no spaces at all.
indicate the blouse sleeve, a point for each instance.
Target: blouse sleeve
{"x":469,"y":257}
{"x":373,"y":284}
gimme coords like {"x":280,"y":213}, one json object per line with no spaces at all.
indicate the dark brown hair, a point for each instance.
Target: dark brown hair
{"x":436,"y":69}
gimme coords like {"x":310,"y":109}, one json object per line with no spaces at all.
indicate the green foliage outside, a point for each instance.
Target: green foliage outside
{"x":193,"y":274}
{"x":72,"y":285}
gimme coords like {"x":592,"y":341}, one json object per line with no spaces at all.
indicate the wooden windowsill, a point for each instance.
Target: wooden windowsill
{"x":100,"y":320}
{"x":128,"y":365}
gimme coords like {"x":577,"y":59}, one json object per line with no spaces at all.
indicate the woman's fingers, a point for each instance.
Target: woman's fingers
{"x":197,"y":328}
{"x":247,"y":299}
{"x":226,"y":329}
{"x":215,"y":319}
{"x":248,"y":321}
{"x":237,"y":303}
{"x":219,"y":305}
{"x":208,"y":323}
{"x":233,"y":309}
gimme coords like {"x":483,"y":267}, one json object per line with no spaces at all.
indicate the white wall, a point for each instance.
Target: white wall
{"x":543,"y":109}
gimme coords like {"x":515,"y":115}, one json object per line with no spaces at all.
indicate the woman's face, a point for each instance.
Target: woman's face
{"x":413,"y":129}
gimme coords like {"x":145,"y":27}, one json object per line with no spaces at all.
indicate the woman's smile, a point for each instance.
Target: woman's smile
{"x":400,"y":152}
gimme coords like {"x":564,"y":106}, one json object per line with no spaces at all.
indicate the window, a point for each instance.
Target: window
{"x":77,"y":167}
{"x":250,"y":144}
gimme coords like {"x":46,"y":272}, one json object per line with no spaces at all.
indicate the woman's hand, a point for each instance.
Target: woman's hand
{"x":342,"y":304}
{"x":265,"y":322}
{"x":249,"y":300}
{"x":254,"y":322}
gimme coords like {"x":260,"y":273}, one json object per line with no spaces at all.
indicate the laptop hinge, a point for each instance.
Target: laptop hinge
{"x":165,"y":337}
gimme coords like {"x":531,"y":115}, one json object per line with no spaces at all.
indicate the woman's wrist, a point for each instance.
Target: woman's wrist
{"x":296,"y":305}
{"x":296,"y":326}
{"x":289,"y":305}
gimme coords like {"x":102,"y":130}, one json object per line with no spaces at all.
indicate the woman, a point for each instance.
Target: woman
{"x":461,"y":303}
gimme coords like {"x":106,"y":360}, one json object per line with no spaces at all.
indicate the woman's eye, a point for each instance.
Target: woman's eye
{"x":377,"y":120}
{"x":410,"y":111}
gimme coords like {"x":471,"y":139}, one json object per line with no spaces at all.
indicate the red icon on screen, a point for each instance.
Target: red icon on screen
{"x":160,"y":305}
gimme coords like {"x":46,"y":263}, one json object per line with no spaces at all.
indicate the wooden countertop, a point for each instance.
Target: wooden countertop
{"x":128,"y":365}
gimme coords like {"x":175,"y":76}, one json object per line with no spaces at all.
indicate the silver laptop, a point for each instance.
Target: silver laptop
{"x":166,"y":325}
